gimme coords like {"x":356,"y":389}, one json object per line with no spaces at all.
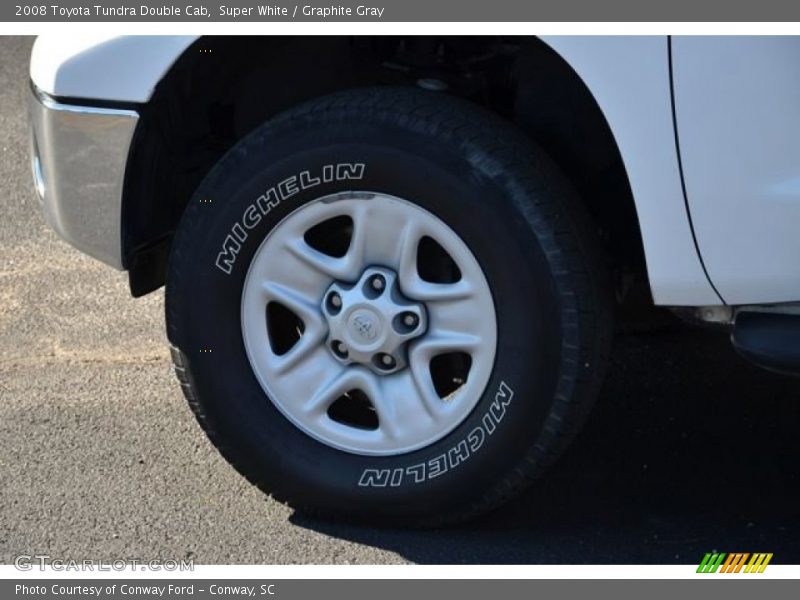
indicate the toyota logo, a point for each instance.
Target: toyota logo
{"x":364,"y":327}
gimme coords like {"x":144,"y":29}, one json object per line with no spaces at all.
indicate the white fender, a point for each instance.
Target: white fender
{"x":628,"y":76}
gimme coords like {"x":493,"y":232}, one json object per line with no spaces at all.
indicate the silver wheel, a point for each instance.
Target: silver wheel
{"x":369,"y":323}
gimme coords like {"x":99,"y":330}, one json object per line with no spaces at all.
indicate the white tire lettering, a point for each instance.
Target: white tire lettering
{"x":374,"y":478}
{"x":271,"y":198}
{"x":455,"y":456}
{"x":251,"y":217}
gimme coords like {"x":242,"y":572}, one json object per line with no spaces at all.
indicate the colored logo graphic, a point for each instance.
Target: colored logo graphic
{"x":735,"y":562}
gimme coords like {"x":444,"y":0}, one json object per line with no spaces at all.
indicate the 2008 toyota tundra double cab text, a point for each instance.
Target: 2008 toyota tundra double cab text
{"x":391,"y":263}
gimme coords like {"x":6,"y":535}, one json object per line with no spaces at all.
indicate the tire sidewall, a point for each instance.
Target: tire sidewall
{"x":459,"y":182}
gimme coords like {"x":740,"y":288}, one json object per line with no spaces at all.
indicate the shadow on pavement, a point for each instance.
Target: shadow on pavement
{"x":689,"y":449}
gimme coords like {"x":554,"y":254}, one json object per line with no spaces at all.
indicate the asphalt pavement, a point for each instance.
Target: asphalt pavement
{"x":689,"y":449}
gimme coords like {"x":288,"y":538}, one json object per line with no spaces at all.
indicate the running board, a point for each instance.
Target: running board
{"x":770,"y":340}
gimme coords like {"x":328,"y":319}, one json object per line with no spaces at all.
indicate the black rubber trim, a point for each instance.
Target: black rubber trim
{"x":680,"y":170}
{"x":147,"y":267}
{"x":770,"y":340}
{"x":88,"y":102}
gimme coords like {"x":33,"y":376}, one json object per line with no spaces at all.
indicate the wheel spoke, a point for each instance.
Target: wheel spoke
{"x":401,"y":408}
{"x":294,"y":271}
{"x":420,"y":373}
{"x":343,"y":380}
{"x":410,"y":281}
{"x":407,"y":255}
{"x":314,"y":327}
{"x":460,"y":316}
{"x":355,"y":258}
{"x":302,"y":306}
{"x":425,"y":291}
{"x":304,"y":372}
{"x":419,"y":360}
{"x":323,"y":264}
{"x":300,"y":352}
{"x":442,"y":341}
{"x":346,"y":267}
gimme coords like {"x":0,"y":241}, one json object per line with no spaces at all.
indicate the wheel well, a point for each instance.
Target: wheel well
{"x":221,"y":88}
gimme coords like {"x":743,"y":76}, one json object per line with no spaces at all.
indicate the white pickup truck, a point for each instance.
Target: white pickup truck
{"x":391,"y":263}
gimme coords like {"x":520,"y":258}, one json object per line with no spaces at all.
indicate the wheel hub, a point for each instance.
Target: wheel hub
{"x":371,"y":322}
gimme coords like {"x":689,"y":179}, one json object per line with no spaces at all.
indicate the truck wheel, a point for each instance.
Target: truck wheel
{"x":386,"y":304}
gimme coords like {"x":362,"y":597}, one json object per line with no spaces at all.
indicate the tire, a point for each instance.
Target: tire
{"x":509,"y":205}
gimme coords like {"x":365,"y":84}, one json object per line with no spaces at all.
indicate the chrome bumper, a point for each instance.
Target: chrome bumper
{"x":78,"y":156}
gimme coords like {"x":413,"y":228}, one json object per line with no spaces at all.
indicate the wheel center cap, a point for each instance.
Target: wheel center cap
{"x":370,"y":322}
{"x":364,"y":327}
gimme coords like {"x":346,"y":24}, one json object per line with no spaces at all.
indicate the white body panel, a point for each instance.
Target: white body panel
{"x":629,"y":78}
{"x":122,"y":69}
{"x":738,"y":114}
{"x":737,"y":143}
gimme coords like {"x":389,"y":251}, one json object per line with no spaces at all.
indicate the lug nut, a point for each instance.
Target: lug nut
{"x":377,"y":283}
{"x":386,"y":361}
{"x":340,"y":349}
{"x":405,"y":323}
{"x":334,"y":303}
